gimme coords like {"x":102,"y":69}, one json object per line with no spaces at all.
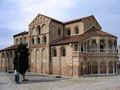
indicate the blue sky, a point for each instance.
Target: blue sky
{"x":15,"y":15}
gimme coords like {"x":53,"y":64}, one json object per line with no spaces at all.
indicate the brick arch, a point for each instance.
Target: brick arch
{"x":110,"y":64}
{"x":103,"y":67}
{"x":32,"y":31}
{"x":76,"y":29}
{"x":38,"y":40}
{"x":32,"y":60}
{"x":94,"y":45}
{"x":88,"y":67}
{"x":32,"y":41}
{"x":44,"y":39}
{"x":102,"y":45}
{"x":37,"y":60}
{"x":38,"y":30}
{"x":94,"y":65}
{"x":81,"y":68}
{"x":54,"y":52}
{"x":43,"y":60}
{"x":68,"y":31}
{"x":16,"y":41}
{"x":62,"y":51}
{"x":110,"y":44}
{"x":43,"y":28}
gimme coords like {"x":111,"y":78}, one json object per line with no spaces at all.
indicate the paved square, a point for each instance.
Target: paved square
{"x":45,"y":82}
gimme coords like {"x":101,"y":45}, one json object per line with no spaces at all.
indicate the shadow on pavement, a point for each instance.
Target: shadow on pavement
{"x":34,"y":78}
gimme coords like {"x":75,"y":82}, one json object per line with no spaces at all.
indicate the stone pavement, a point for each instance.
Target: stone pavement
{"x":46,"y":82}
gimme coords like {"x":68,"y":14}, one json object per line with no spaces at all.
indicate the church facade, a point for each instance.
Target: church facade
{"x":74,"y":48}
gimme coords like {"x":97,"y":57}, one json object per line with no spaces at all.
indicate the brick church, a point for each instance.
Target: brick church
{"x":73,"y":48}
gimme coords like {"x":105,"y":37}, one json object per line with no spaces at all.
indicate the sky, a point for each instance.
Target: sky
{"x":15,"y":15}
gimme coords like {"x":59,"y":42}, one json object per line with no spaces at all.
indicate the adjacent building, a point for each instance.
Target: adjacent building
{"x":73,"y":48}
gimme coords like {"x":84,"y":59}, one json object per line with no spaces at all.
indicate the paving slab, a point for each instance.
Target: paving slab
{"x":48,"y":82}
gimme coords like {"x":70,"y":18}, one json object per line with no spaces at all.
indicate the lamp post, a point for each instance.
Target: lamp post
{"x":17,"y":74}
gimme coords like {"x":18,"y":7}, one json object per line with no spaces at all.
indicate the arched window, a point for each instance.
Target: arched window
{"x":32,"y":41}
{"x":20,"y":40}
{"x":63,"y":51}
{"x":110,"y":44}
{"x":59,"y":32}
{"x":110,"y":67}
{"x":76,"y":30}
{"x":103,"y":67}
{"x":54,"y":52}
{"x":24,"y":39}
{"x":102,"y":45}
{"x":44,"y":30}
{"x":94,"y":46}
{"x":38,"y":30}
{"x":16,"y":41}
{"x":44,"y":39}
{"x":94,"y":67}
{"x":76,"y":47}
{"x":33,"y":31}
{"x":38,"y":40}
{"x":68,"y":32}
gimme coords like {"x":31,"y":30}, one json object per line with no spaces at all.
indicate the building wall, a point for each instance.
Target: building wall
{"x":94,"y":55}
{"x":21,"y":39}
{"x":118,"y":51}
{"x":7,"y":60}
{"x":72,"y":27}
{"x":39,"y":61}
{"x":61,"y":64}
{"x":91,"y":21}
{"x":56,"y":31}
{"x":39,"y":51}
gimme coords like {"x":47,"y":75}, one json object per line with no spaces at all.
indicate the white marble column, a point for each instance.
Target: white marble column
{"x":106,"y":45}
{"x":98,"y":45}
{"x":79,"y":47}
{"x":90,"y":46}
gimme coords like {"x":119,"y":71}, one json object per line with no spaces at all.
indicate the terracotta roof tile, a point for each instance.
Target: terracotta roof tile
{"x":67,"y":39}
{"x":91,"y":32}
{"x":13,"y":47}
{"x":95,"y":32}
{"x":22,"y":33}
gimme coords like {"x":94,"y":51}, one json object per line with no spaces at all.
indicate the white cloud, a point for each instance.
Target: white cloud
{"x":5,"y":43}
{"x":54,"y":8}
{"x":28,"y":9}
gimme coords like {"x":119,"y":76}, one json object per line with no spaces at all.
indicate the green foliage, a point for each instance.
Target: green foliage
{"x":21,"y":63}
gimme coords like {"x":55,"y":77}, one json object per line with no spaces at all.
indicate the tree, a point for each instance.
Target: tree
{"x":21,"y":63}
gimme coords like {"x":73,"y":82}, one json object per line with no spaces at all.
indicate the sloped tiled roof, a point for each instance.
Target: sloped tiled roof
{"x":13,"y":47}
{"x":22,"y":33}
{"x":96,"y":32}
{"x":67,"y":39}
{"x":91,"y":32}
